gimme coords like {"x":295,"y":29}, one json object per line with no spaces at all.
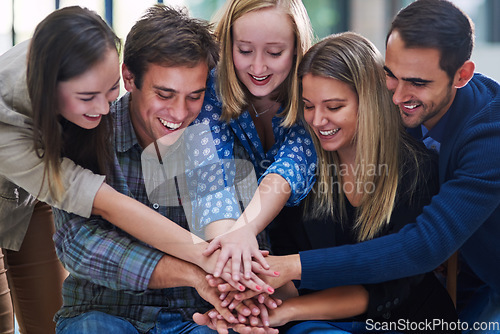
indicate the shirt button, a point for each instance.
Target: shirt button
{"x":388,"y":304}
{"x":156,"y":206}
{"x":380,"y":308}
{"x":396,"y":301}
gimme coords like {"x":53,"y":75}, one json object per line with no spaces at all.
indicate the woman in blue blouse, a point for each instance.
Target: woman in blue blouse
{"x":262,"y":43}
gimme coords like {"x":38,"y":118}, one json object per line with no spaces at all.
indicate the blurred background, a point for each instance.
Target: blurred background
{"x":370,"y":18}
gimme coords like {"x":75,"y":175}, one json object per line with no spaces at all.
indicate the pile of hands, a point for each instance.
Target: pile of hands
{"x":244,"y":283}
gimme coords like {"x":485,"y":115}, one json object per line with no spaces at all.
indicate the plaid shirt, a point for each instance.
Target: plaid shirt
{"x":110,"y":269}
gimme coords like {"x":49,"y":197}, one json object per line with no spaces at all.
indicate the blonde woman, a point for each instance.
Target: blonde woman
{"x":262,"y":43}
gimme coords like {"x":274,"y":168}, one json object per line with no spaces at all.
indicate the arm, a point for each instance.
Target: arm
{"x":335,"y":303}
{"x":286,"y":181}
{"x":465,"y":202}
{"x":171,"y":272}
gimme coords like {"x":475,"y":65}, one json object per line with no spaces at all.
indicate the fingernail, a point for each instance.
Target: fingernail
{"x":267,"y":323}
{"x":276,"y":273}
{"x":271,"y":290}
{"x":258,"y":287}
{"x":241,"y":287}
{"x":274,"y":305}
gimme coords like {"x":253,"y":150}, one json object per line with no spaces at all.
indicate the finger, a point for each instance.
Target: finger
{"x":246,"y":295}
{"x":221,"y":263}
{"x":255,"y":321}
{"x":260,"y":259}
{"x":227,"y":315}
{"x":250,"y":303}
{"x":221,"y":327}
{"x":243,"y":310}
{"x":234,"y":284}
{"x":271,"y":302}
{"x":258,"y":269}
{"x":264,"y":315}
{"x":264,"y":252}
{"x":202,"y":319}
{"x":247,"y":264}
{"x":212,"y":247}
{"x":214,"y":281}
{"x":229,"y":299}
{"x":236,"y":266}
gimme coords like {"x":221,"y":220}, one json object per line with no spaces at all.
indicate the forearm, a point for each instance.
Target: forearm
{"x":91,"y":249}
{"x":335,"y":303}
{"x":148,"y":225}
{"x":171,"y":272}
{"x":270,"y":197}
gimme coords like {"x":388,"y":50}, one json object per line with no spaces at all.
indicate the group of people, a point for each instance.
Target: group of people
{"x":371,"y":173}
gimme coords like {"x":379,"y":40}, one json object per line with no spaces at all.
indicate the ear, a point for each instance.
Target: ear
{"x":464,"y":74}
{"x":128,"y":78}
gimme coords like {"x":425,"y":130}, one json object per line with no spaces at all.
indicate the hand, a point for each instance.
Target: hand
{"x":239,"y":245}
{"x":211,"y":295}
{"x":212,"y":320}
{"x":287,"y":267}
{"x":255,"y":283}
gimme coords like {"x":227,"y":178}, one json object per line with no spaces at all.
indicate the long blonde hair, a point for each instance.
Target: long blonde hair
{"x":352,"y":59}
{"x":232,"y":91}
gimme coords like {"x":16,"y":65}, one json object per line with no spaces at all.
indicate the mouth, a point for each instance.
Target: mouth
{"x":328,"y":133}
{"x":409,"y":107}
{"x":93,"y":117}
{"x":262,"y":80}
{"x":170,"y":125}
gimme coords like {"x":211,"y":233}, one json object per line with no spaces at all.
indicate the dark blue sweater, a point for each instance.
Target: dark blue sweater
{"x":465,"y":214}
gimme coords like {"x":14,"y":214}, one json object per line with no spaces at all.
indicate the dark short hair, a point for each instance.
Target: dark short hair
{"x":437,"y":24}
{"x":168,"y":37}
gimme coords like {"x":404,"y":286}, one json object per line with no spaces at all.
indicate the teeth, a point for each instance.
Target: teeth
{"x":92,"y":116}
{"x":260,"y":78}
{"x":170,"y":125}
{"x":329,"y":132}
{"x":411,"y":106}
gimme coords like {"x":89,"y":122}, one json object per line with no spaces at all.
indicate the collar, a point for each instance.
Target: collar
{"x":125,"y":137}
{"x":438,"y":131}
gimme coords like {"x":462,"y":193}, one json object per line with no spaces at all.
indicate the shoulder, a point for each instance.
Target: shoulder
{"x":14,"y":99}
{"x":418,"y":169}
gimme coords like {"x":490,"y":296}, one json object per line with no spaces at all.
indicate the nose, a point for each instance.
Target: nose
{"x":102,"y":105}
{"x":399,"y":91}
{"x":178,"y":109}
{"x":318,"y":118}
{"x":258,"y":64}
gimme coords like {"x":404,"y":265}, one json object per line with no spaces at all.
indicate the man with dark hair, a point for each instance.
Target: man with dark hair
{"x":118,"y":284}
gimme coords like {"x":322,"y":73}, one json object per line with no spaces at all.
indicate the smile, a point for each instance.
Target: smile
{"x":93,"y":116}
{"x":170,"y":125}
{"x":411,"y":106}
{"x":329,"y":132}
{"x":260,"y":78}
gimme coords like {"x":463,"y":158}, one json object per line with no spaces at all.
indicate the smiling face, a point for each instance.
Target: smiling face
{"x":169,"y":100}
{"x":263,"y":50}
{"x":421,"y":89}
{"x":83,"y":100}
{"x":331,"y":109}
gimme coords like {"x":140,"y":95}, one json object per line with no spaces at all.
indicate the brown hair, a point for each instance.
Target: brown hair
{"x":65,"y":44}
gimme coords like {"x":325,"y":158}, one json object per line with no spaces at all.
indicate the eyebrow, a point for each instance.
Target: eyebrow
{"x":170,"y":90}
{"x":413,"y":80}
{"x":94,"y":93}
{"x":270,"y":43}
{"x":327,"y":100}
